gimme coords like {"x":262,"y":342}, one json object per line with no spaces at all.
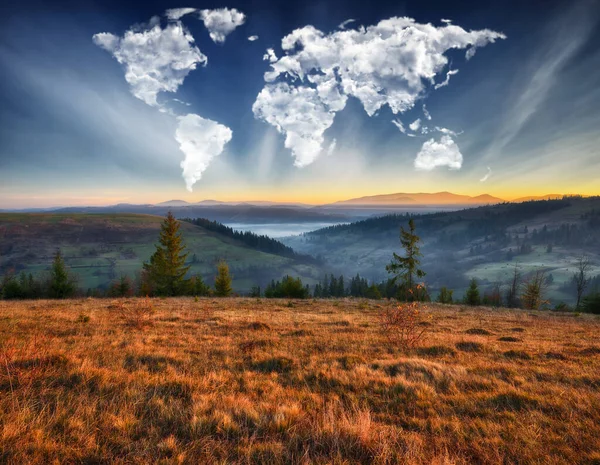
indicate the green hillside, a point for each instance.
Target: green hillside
{"x":100,"y":247}
{"x":484,"y":243}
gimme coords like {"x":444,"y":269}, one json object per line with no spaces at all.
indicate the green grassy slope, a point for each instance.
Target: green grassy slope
{"x":98,"y":247}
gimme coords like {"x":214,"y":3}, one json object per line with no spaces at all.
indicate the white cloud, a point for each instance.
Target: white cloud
{"x":270,"y":55}
{"x":158,"y":60}
{"x":401,"y":127}
{"x":181,"y":101}
{"x":299,"y":114}
{"x":201,"y":140}
{"x":221,"y":22}
{"x":178,"y":13}
{"x":415,"y":125}
{"x":442,"y":153}
{"x":345,"y":23}
{"x":447,"y":131}
{"x":252,"y":38}
{"x":391,"y":63}
{"x":487,"y":175}
{"x":446,"y":81}
{"x":447,"y":21}
{"x":426,"y":113}
{"x":155,"y":60}
{"x":331,"y":148}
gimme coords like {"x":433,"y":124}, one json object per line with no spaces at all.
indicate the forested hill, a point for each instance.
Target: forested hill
{"x":256,"y":241}
{"x":98,"y":248}
{"x":483,"y":242}
{"x":581,"y":214}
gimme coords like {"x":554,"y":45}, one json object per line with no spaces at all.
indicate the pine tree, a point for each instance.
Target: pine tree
{"x":223,"y":280}
{"x":533,"y":292}
{"x":472,"y":295}
{"x":407,"y":268}
{"x":166,"y":270}
{"x":445,"y":296}
{"x":61,"y":285}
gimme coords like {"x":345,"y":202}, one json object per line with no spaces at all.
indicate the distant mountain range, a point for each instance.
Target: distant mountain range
{"x":212,"y":203}
{"x":397,"y":199}
{"x":271,"y":212}
{"x":437,"y":198}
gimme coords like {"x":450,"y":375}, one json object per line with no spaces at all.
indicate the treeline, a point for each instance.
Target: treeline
{"x":165,"y":274}
{"x":57,"y":283}
{"x":258,"y":242}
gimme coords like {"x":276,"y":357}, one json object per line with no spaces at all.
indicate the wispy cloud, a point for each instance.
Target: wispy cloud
{"x":446,"y":81}
{"x":345,"y":23}
{"x":415,"y":125}
{"x":178,"y":13}
{"x":487,"y":175}
{"x":565,"y":39}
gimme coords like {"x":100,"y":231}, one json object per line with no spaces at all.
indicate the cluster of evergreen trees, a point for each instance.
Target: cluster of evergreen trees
{"x":57,"y":284}
{"x":288,"y":287}
{"x":165,"y":274}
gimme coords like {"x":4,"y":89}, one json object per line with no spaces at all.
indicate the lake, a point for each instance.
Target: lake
{"x":278,"y":229}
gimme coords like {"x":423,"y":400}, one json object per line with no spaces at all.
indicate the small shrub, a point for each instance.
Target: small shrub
{"x":275,"y":364}
{"x":555,"y":356}
{"x":513,"y":402}
{"x":518,"y":354}
{"x":137,"y":314}
{"x":435,"y":351}
{"x":469,"y":346}
{"x":348,"y":362}
{"x":259,"y":326}
{"x":402,"y":325}
{"x":83,"y":318}
{"x":509,"y":339}
{"x":590,"y":351}
{"x":478,"y":331}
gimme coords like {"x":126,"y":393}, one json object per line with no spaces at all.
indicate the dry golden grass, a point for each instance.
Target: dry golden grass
{"x":247,"y":381}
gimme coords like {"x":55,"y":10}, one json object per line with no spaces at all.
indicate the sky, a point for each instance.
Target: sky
{"x":312,"y":101}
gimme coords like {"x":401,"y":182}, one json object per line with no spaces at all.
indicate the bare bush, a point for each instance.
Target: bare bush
{"x":404,"y":325}
{"x":137,"y":313}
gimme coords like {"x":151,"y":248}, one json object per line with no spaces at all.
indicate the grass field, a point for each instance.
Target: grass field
{"x":248,"y":381}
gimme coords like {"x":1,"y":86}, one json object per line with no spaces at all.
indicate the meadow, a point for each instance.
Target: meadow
{"x":245,"y":381}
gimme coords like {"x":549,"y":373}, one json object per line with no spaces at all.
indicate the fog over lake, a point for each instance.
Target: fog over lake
{"x":278,"y":229}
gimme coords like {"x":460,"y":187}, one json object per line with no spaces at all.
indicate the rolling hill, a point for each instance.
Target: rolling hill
{"x":101,"y":247}
{"x":484,"y":242}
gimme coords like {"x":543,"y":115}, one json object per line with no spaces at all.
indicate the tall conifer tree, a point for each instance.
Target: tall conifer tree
{"x":407,"y":268}
{"x":166,"y":270}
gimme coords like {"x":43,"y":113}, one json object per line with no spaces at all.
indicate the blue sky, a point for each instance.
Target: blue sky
{"x":520,"y":117}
